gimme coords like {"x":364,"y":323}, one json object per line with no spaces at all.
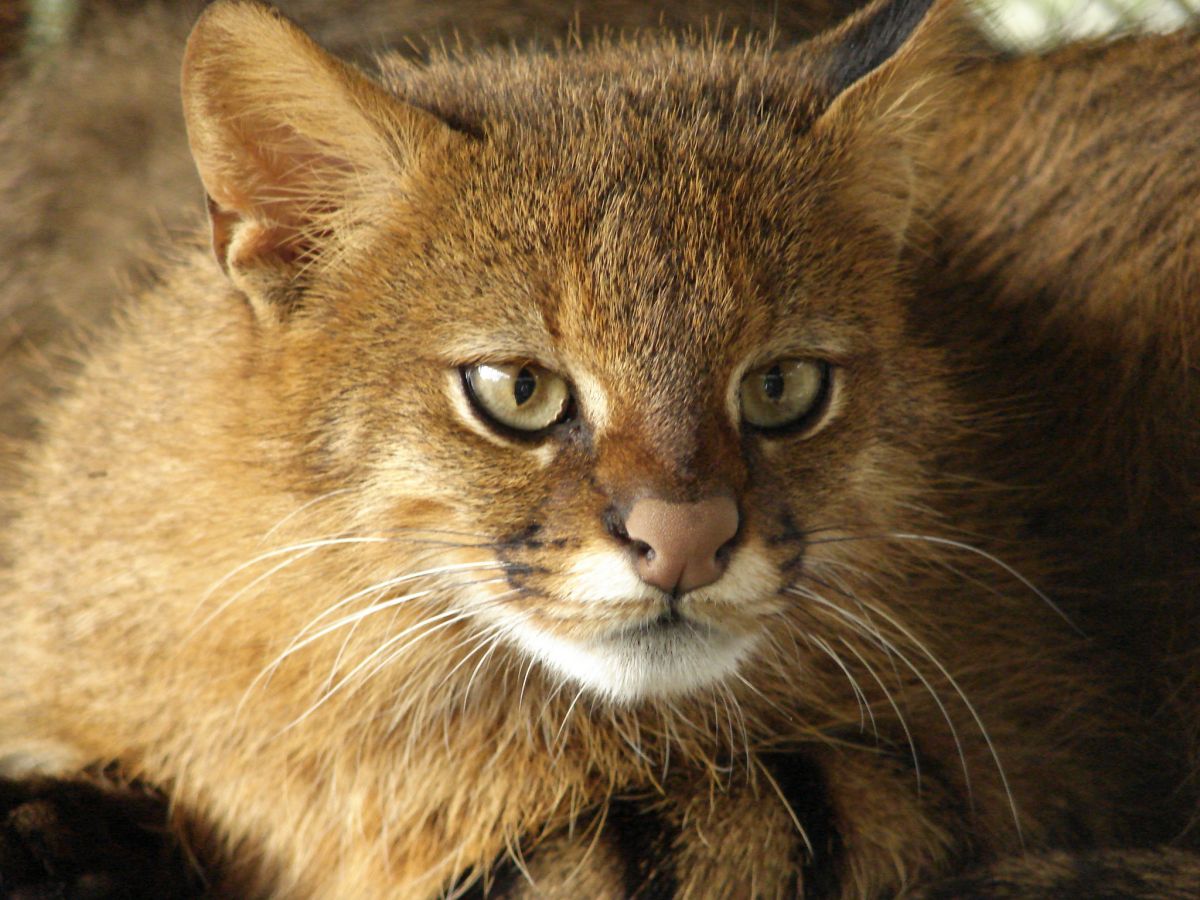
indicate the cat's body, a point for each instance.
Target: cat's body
{"x":1065,"y":271}
{"x":238,"y":471}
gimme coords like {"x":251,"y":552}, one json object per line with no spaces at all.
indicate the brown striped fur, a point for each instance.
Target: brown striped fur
{"x":207,"y":432}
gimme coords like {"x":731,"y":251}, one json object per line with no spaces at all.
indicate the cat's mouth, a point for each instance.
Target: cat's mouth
{"x":666,"y":655}
{"x":603,"y":628}
{"x":670,"y":618}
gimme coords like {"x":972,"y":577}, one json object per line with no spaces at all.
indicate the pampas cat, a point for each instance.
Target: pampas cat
{"x":561,"y":438}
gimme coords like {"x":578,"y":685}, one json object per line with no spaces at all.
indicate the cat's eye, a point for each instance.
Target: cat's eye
{"x":521,"y":396}
{"x":784,"y":394}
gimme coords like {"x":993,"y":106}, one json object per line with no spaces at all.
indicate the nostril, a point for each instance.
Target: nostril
{"x":682,"y":546}
{"x":726,"y":549}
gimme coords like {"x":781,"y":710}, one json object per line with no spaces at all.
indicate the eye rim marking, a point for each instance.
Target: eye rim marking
{"x":806,"y":421}
{"x":567,"y":413}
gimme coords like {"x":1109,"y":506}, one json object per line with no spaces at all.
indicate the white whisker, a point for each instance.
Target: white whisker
{"x":762,"y":768}
{"x":874,"y":634}
{"x":300,"y":509}
{"x":864,"y":707}
{"x":974,"y":713}
{"x":959,"y":545}
{"x":291,"y":548}
{"x":565,"y":719}
{"x":494,"y":643}
{"x":246,"y":588}
{"x":734,"y":707}
{"x":970,"y":708}
{"x":299,"y":644}
{"x":378,"y":587}
{"x":912,"y":747}
{"x":432,"y":624}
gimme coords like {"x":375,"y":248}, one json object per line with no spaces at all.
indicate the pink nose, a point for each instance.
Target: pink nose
{"x":678,"y":543}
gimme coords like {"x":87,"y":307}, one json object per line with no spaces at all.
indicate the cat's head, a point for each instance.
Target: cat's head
{"x":624,"y":326}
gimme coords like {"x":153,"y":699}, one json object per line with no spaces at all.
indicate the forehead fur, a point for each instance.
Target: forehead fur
{"x":670,"y":189}
{"x":667,"y":76}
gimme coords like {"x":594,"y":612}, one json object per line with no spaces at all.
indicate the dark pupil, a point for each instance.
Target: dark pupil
{"x":773,"y":383}
{"x":524,"y":386}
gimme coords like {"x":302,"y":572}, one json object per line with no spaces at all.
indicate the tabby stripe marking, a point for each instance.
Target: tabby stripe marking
{"x":645,"y":843}
{"x":803,"y":786}
{"x":498,"y":882}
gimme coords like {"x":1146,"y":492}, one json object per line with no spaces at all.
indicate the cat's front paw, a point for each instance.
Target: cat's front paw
{"x":83,"y":841}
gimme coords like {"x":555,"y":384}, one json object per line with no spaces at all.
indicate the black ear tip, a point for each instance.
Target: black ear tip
{"x":871,"y":39}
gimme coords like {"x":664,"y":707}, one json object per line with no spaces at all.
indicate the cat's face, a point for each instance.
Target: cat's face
{"x":630,"y":347}
{"x":604,"y":307}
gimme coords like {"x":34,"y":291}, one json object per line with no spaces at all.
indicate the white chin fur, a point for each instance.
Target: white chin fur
{"x":640,"y":664}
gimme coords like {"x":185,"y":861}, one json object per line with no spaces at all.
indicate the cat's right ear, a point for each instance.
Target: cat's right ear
{"x":875,"y":83}
{"x":295,"y":148}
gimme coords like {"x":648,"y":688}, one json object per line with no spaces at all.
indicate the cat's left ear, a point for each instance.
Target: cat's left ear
{"x":296,"y":149}
{"x":874,"y":82}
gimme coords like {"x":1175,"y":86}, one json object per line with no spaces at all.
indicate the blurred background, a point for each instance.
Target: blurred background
{"x":1032,"y":24}
{"x":1021,"y":24}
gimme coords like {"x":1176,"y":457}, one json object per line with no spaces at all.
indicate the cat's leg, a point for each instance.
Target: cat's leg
{"x":93,"y":837}
{"x":1157,"y":874}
